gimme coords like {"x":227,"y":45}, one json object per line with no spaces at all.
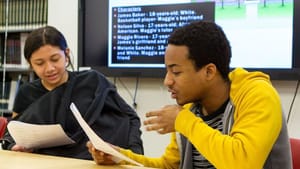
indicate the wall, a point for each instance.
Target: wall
{"x":151,"y":93}
{"x":63,"y":15}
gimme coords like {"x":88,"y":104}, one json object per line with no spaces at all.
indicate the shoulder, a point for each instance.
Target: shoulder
{"x":254,"y":92}
{"x":28,"y":86}
{"x":28,"y":89}
{"x":86,"y":74}
{"x":90,"y":77}
{"x":27,"y":93}
{"x":243,"y":81}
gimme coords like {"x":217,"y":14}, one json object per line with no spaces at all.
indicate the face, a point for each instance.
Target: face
{"x":49,"y":63}
{"x":185,"y":84}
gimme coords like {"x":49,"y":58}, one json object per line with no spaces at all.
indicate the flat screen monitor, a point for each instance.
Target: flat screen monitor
{"x":128,"y":38}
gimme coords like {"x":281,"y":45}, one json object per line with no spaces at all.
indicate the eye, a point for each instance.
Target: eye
{"x":55,"y":58}
{"x":39,"y":63}
{"x":176,"y":73}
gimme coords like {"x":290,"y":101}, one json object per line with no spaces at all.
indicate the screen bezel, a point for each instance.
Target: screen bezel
{"x":92,"y":45}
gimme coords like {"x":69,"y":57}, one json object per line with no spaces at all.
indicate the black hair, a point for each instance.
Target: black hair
{"x":47,"y":35}
{"x":207,"y":43}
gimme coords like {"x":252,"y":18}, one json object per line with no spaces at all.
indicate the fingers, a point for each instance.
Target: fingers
{"x":163,"y":120}
{"x":153,"y":128}
{"x":89,"y":144}
{"x":151,"y":120}
{"x":159,"y":129}
{"x":102,"y":158}
{"x":153,"y":113}
{"x":99,"y":156}
{"x":162,"y":131}
{"x":153,"y":123}
{"x":21,"y":149}
{"x":90,"y":147}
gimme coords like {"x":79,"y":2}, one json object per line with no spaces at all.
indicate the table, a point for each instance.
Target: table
{"x":21,"y":160}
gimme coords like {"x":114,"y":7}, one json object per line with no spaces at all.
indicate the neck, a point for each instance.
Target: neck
{"x":216,"y":98}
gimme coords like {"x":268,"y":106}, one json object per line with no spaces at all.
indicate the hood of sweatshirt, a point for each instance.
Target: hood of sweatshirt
{"x":243,"y":80}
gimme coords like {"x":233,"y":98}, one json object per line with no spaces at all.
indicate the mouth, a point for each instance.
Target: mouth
{"x":173,"y":93}
{"x":51,"y":77}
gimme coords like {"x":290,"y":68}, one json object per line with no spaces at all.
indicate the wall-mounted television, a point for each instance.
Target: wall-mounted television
{"x":128,"y":38}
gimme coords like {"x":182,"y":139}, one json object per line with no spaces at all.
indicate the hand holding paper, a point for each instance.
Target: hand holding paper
{"x":38,"y":135}
{"x":97,"y":142}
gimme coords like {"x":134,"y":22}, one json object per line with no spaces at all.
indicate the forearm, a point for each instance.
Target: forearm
{"x":169,"y":160}
{"x":7,"y":142}
{"x":146,"y":161}
{"x":6,"y":145}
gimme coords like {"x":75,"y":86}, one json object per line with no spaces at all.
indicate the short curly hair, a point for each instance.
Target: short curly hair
{"x":206,"y":42}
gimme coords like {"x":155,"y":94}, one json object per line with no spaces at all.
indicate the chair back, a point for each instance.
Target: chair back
{"x":295,"y":147}
{"x":3,"y":124}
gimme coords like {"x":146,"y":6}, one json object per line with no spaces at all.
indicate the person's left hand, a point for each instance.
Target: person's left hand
{"x":163,"y":120}
{"x":21,"y":149}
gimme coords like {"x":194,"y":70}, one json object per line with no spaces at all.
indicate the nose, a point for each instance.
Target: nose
{"x":49,"y":67}
{"x":168,"y":81}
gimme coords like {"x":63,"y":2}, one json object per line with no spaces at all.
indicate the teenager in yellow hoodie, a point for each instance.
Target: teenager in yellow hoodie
{"x":223,"y":120}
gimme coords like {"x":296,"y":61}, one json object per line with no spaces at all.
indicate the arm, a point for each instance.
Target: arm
{"x":22,"y":100}
{"x":162,"y":120}
{"x":14,"y":114}
{"x":8,"y":143}
{"x":169,"y":160}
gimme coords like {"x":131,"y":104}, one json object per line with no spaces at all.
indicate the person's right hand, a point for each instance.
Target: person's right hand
{"x":21,"y":149}
{"x":99,"y":156}
{"x":162,"y":120}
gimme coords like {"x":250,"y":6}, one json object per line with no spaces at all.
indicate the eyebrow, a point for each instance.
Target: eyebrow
{"x":51,"y":56}
{"x":172,"y":65}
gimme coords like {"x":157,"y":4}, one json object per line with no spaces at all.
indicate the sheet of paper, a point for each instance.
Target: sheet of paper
{"x":98,"y":143}
{"x":38,"y":135}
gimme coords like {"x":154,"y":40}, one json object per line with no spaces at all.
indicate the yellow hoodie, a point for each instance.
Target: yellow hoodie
{"x":257,"y":124}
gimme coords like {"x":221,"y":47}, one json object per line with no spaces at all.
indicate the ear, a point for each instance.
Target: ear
{"x":210,"y":70}
{"x":67,"y":54}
